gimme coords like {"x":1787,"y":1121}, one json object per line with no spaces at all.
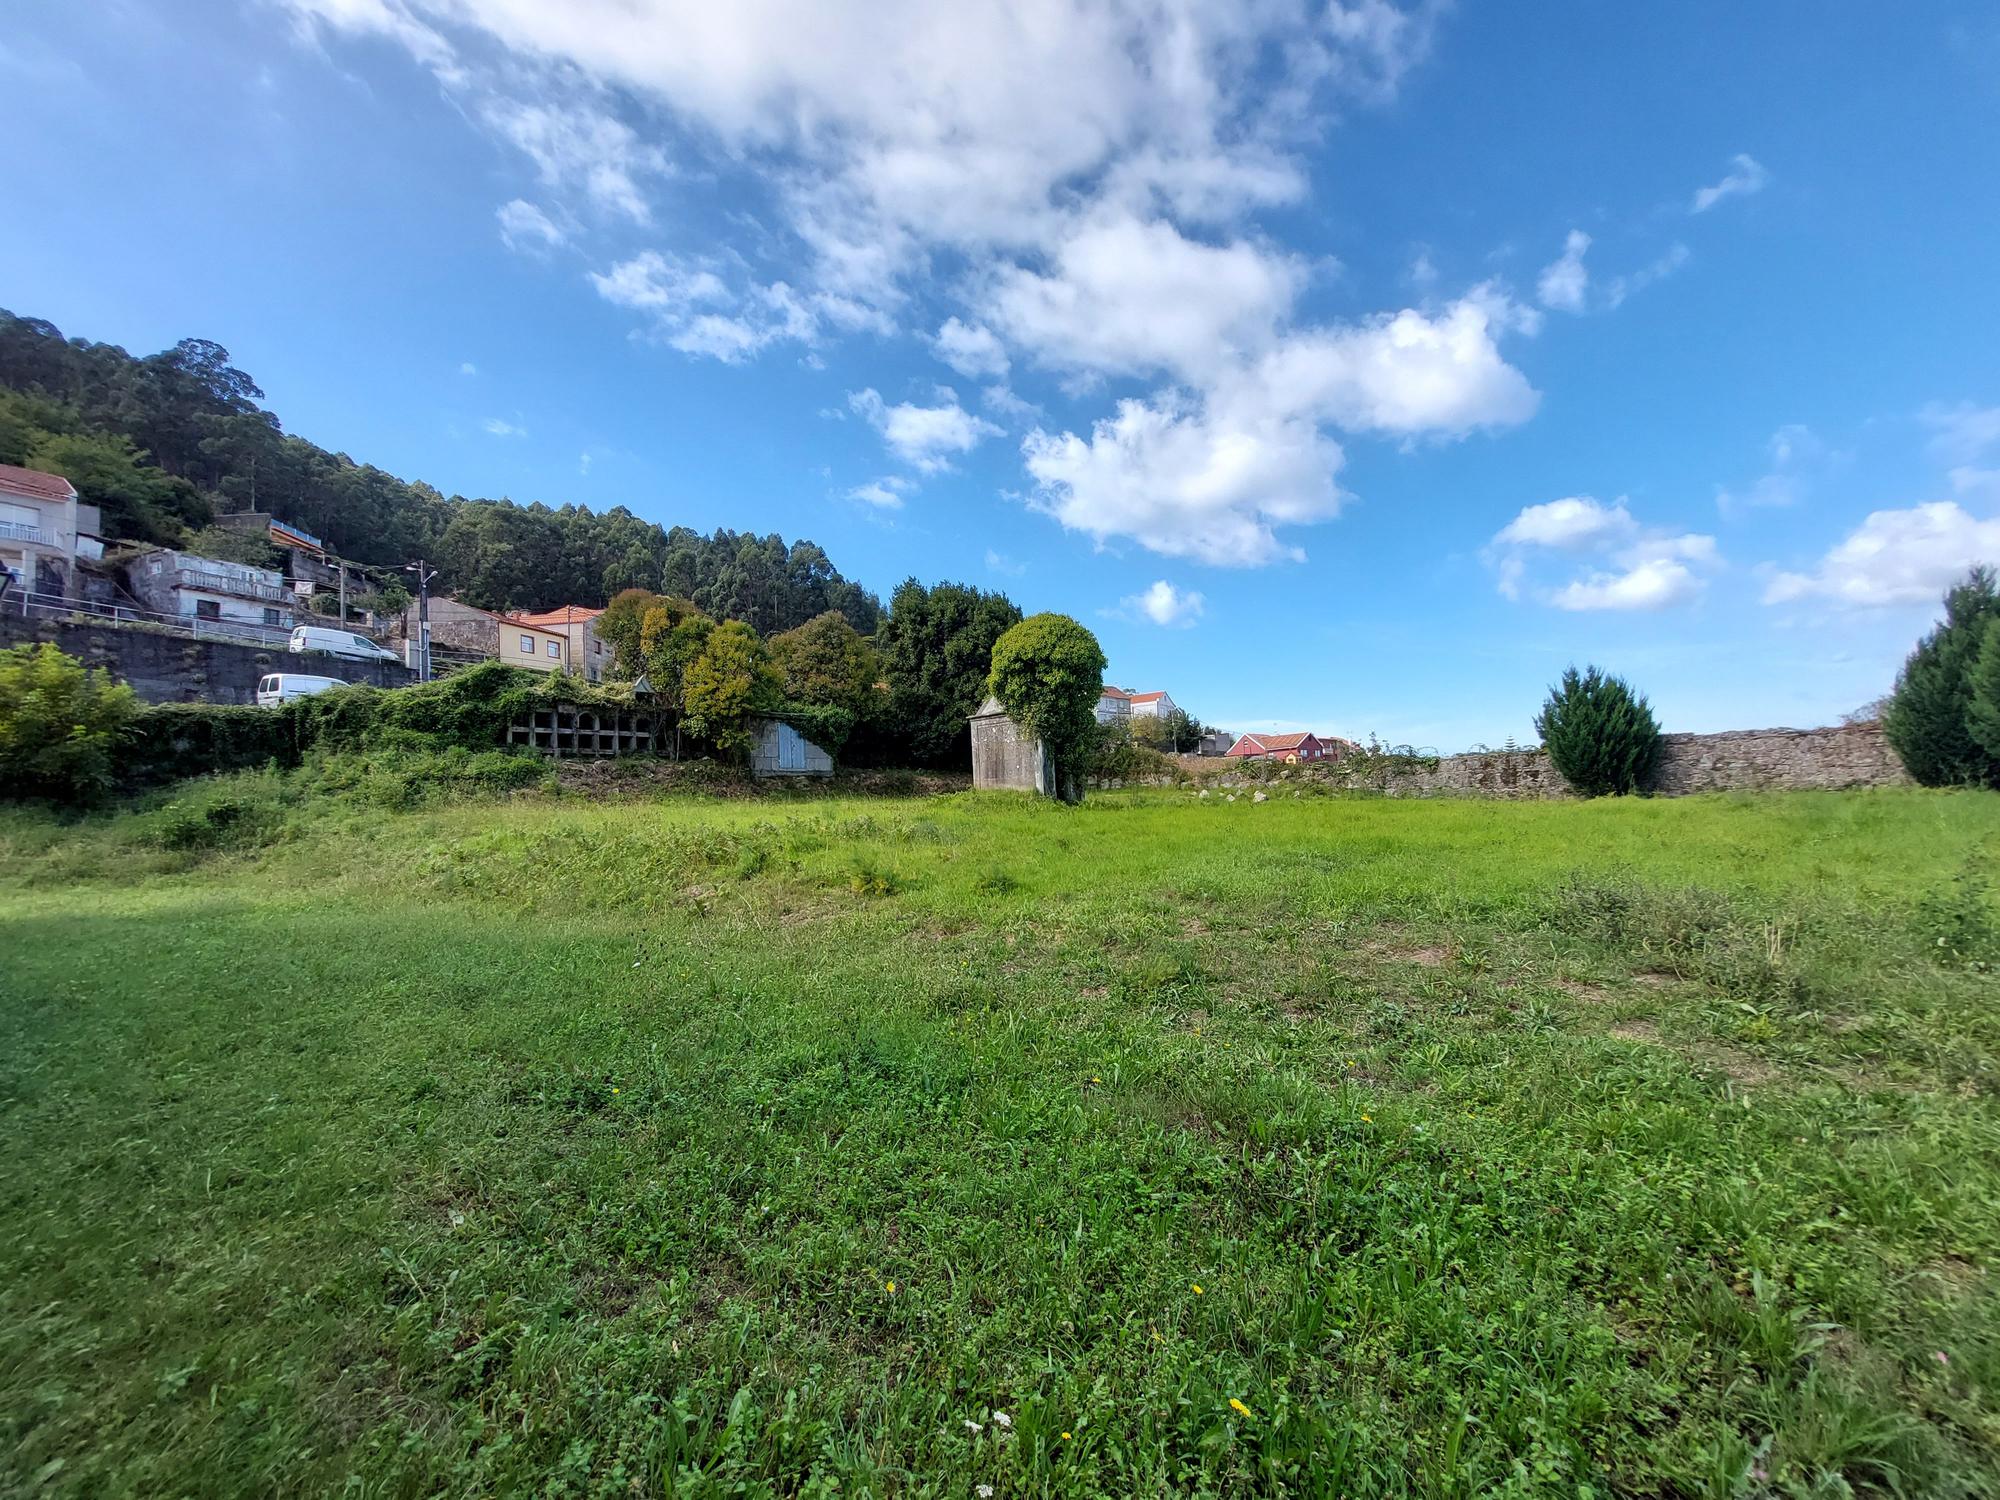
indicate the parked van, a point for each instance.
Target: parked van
{"x":340,"y":643}
{"x":283,"y":687}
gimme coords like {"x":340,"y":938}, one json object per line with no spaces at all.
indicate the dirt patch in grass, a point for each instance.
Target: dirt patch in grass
{"x":1638,"y":1031}
{"x":1584,"y":989}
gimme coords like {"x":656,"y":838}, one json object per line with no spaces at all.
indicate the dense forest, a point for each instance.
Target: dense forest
{"x":166,"y":442}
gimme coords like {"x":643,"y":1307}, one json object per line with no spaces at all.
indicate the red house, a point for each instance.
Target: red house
{"x":1290,"y":748}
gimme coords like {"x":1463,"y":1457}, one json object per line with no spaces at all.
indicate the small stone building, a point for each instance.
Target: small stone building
{"x":782,"y":751}
{"x":1005,"y":758}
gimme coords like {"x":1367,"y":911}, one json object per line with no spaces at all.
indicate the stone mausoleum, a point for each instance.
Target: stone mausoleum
{"x":1005,"y":758}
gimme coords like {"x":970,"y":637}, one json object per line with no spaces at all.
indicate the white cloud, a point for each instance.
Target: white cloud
{"x":1125,"y":296}
{"x":526,"y":228}
{"x":694,"y":310}
{"x":500,"y":428}
{"x":1961,"y":432}
{"x":1796,"y":457}
{"x":1575,"y":521}
{"x":1565,"y":281}
{"x":1163,"y":604}
{"x":1649,"y":568}
{"x":1620,"y":287}
{"x":926,"y":438}
{"x":1896,"y":557}
{"x":581,"y":146}
{"x":1188,"y":482}
{"x":1000,"y":562}
{"x":1407,"y":373}
{"x":1652,"y":584}
{"x":884,"y":494}
{"x":971,"y":349}
{"x":1744,"y":178}
{"x":467,"y":367}
{"x":1079,"y":174}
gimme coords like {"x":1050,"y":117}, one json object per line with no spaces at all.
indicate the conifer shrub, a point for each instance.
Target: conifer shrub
{"x":1599,"y":734}
{"x":1937,"y":720}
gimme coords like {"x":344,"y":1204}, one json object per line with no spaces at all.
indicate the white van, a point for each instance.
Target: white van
{"x":340,"y":643}
{"x":283,"y":687}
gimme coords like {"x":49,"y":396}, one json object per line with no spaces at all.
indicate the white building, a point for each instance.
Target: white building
{"x":234,"y":598}
{"x":1121,"y":704}
{"x":43,"y":531}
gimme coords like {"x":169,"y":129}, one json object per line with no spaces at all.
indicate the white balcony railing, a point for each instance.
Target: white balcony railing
{"x":16,"y":531}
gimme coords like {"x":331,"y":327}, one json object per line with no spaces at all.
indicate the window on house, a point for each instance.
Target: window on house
{"x":555,"y":649}
{"x":208,"y":609}
{"x":527,"y":645}
{"x":271,"y":617}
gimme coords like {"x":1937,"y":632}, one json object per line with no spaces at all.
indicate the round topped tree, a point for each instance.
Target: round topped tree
{"x":1048,"y":672}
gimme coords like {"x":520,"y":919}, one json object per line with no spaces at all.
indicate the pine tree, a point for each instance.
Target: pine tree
{"x":1599,"y":733}
{"x":1983,"y":718}
{"x":1930,"y":715}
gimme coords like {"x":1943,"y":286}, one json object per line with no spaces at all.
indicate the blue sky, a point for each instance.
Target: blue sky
{"x":1351,"y":367}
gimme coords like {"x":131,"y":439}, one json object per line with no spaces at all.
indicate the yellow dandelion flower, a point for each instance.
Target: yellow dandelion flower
{"x":1239,"y":1406}
{"x":1197,"y":1287}
{"x":892,"y":1289}
{"x":1095,"y":1079}
{"x":1367,"y":1119}
{"x":1065,"y":1437}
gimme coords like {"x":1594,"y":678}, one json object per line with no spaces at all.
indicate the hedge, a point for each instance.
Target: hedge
{"x":469,"y":710}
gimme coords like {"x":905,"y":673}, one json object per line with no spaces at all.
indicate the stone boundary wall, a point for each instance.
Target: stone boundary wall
{"x":1852,"y":755}
{"x":165,"y":667}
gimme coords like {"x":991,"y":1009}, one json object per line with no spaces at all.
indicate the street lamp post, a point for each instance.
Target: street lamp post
{"x":424,"y":577}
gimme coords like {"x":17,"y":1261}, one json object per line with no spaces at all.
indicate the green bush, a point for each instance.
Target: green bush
{"x":1931,"y":715}
{"x":60,"y":724}
{"x":172,"y":741}
{"x":1983,"y":716}
{"x":1599,"y":733}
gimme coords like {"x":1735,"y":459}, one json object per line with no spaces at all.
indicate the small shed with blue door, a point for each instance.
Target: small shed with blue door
{"x":782,"y":751}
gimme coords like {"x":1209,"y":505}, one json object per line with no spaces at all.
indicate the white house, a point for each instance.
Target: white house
{"x":235,"y":597}
{"x":1121,"y":704}
{"x":43,"y":531}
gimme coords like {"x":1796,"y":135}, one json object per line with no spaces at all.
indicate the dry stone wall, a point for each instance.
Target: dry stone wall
{"x":1855,"y":755}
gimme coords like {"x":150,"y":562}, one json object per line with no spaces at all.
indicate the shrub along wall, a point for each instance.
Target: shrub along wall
{"x":468,"y":711}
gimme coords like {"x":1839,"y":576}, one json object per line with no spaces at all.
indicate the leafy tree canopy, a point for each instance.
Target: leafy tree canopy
{"x":730,"y":683}
{"x":164,"y":442}
{"x":937,"y":649}
{"x":60,"y":724}
{"x":825,"y":662}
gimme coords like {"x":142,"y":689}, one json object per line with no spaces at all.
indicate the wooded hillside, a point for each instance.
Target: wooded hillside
{"x":165,"y":442}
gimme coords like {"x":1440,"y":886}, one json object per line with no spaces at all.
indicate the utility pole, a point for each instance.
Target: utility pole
{"x":424,"y":577}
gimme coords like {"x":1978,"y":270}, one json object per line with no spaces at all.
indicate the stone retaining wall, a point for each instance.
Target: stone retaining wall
{"x":165,"y":667}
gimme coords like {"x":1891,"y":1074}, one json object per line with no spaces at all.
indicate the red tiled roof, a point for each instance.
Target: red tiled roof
{"x":35,"y":483}
{"x":1145,"y":697}
{"x":1112,"y":692}
{"x":567,"y":614}
{"x":1270,"y":744}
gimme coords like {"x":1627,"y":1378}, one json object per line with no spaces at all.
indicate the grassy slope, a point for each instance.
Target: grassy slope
{"x":494,"y":1147}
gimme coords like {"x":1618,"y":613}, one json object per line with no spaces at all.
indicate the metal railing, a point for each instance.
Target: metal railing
{"x":91,"y":611}
{"x":20,"y":531}
{"x":225,"y":583}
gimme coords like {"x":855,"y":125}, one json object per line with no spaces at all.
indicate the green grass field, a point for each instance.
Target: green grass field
{"x":902,"y":1147}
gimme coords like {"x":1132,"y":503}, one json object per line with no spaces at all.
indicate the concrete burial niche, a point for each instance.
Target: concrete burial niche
{"x":1007,"y":759}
